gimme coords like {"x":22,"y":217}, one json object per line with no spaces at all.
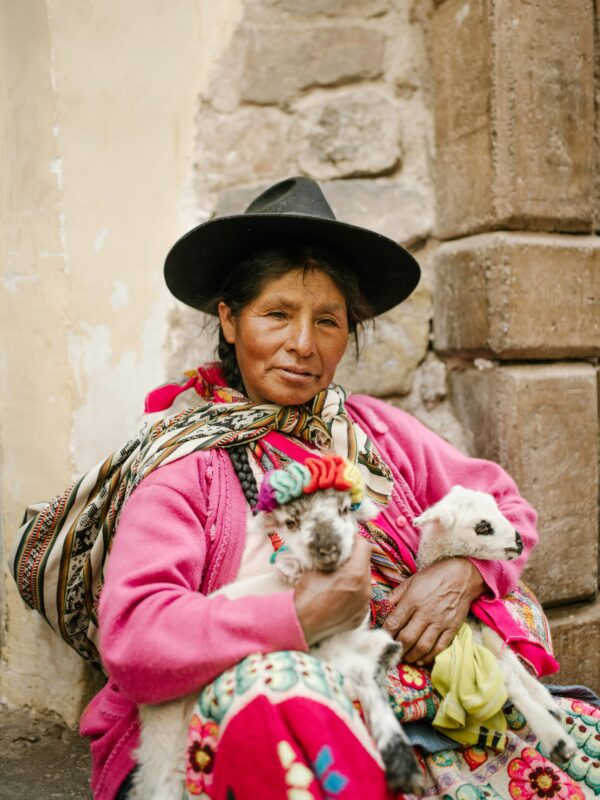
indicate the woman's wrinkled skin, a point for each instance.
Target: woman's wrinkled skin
{"x":290,"y":339}
{"x":431,"y":606}
{"x":288,"y":342}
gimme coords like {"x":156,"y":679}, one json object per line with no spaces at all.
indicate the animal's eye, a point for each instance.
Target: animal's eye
{"x":484,"y":528}
{"x":290,"y":524}
{"x":343,"y":511}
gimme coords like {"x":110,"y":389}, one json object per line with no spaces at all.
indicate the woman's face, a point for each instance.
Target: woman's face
{"x":290,"y":339}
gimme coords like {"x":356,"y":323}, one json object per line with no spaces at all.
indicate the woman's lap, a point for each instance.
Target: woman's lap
{"x":280,"y":726}
{"x":521,"y":771}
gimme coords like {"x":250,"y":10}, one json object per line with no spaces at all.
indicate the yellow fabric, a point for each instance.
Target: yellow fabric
{"x":469,"y":679}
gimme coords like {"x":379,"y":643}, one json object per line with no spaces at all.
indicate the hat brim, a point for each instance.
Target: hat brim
{"x":198,"y":262}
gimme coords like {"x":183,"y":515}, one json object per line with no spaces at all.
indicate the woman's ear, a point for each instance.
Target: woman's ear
{"x":227,"y":321}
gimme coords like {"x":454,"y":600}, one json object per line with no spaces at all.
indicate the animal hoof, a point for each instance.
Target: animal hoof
{"x":401,"y":767}
{"x":563,"y":750}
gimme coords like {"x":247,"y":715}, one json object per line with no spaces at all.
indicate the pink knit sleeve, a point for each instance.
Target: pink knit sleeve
{"x":430,"y":466}
{"x":161,"y":638}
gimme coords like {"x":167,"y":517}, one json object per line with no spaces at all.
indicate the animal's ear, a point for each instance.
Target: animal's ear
{"x":368,"y":510}
{"x":442,"y":516}
{"x":288,"y":567}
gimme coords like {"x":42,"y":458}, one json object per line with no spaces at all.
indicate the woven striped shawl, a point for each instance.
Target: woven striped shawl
{"x":62,"y":545}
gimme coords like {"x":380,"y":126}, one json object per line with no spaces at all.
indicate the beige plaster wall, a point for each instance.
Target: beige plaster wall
{"x":97,"y":123}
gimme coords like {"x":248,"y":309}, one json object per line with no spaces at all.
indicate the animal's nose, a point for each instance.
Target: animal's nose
{"x":329,"y":550}
{"x":325,"y":547}
{"x":519,"y":542}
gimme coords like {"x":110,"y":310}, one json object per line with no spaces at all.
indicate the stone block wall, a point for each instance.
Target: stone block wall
{"x":496,"y":276}
{"x":514,"y":85}
{"x":517,"y":295}
{"x":541,"y":422}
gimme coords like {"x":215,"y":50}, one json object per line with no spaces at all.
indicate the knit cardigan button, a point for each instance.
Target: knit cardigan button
{"x":401,"y":521}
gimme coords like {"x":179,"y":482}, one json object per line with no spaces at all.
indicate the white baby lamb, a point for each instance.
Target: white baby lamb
{"x":469,"y":523}
{"x":319,"y":531}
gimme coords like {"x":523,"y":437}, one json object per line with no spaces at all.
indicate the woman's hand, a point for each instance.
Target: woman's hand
{"x":431,"y":606}
{"x":327,"y":603}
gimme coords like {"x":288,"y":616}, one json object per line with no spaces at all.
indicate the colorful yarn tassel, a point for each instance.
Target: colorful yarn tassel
{"x":280,"y":486}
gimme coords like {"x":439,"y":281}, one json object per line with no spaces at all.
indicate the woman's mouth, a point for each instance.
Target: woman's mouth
{"x":296,"y":375}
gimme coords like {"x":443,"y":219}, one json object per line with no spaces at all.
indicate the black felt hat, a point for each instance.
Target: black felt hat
{"x":293,"y":210}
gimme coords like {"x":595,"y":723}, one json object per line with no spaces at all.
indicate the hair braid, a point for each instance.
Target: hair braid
{"x":243,"y":470}
{"x":238,"y":455}
{"x":231,"y":371}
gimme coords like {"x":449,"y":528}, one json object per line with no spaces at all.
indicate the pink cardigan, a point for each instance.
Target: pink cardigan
{"x":181,"y":536}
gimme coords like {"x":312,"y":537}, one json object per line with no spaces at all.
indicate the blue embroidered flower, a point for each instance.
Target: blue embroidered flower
{"x":331,"y":780}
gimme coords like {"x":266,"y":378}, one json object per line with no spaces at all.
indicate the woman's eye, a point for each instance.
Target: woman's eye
{"x":328,"y":321}
{"x":290,"y":524}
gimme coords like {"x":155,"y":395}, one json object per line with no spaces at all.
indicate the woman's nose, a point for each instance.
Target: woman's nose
{"x":302,"y":340}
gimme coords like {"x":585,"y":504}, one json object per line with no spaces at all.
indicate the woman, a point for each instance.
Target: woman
{"x":289,"y":284}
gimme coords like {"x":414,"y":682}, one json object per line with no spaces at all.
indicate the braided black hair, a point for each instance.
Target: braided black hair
{"x":238,"y":455}
{"x":241,"y":465}
{"x":231,"y":370}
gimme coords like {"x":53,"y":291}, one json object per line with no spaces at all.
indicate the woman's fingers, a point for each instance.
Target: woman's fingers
{"x":432,"y":642}
{"x":327,"y":603}
{"x":361,"y":553}
{"x":423,"y":645}
{"x":430,"y":607}
{"x":396,"y":594}
{"x":422,"y":640}
{"x":399,"y":618}
{"x":444,"y":641}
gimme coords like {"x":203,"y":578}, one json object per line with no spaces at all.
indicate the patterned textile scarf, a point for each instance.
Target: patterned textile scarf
{"x":59,"y":553}
{"x":231,"y":420}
